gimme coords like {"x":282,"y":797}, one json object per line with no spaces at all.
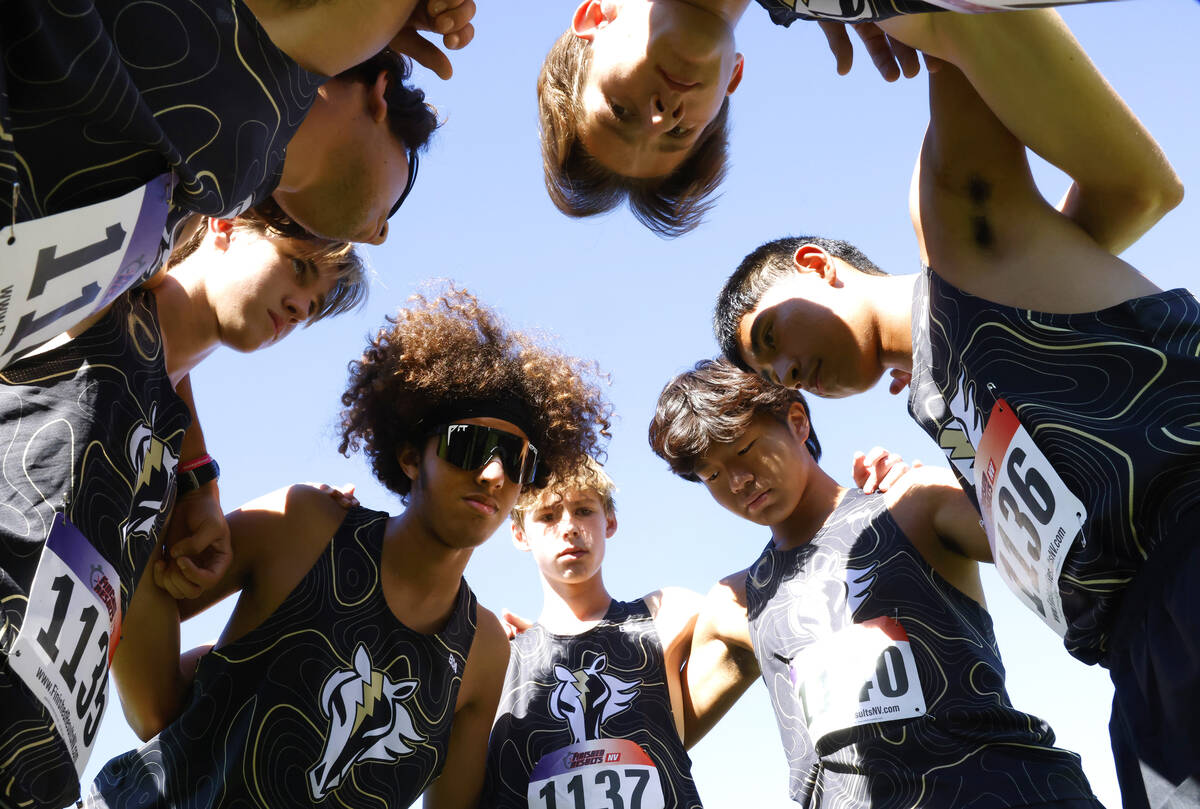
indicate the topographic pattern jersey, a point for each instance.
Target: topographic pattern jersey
{"x":786,"y":12}
{"x":1109,"y":397}
{"x":98,"y":97}
{"x":886,"y":681}
{"x":94,"y":423}
{"x":331,"y":699}
{"x":568,"y":697}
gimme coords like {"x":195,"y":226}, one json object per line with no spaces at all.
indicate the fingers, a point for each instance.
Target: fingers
{"x":909,"y":58}
{"x":879,"y":49}
{"x":170,"y":578}
{"x":424,"y":52}
{"x":453,"y":21}
{"x":877,"y":470}
{"x":900,"y":381}
{"x":342,"y":495}
{"x":513,"y":624}
{"x":839,"y":45}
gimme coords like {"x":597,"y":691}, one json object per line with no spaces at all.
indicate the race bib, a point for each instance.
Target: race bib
{"x":69,"y":635}
{"x":601,"y":774}
{"x":59,"y":269}
{"x":860,"y":675}
{"x":1031,"y":517}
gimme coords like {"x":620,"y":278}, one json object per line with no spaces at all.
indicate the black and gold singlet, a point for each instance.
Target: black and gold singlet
{"x":586,"y":720}
{"x":886,"y":681}
{"x":96,"y":425}
{"x":331,"y":700}
{"x":98,"y":97}
{"x":1110,"y":398}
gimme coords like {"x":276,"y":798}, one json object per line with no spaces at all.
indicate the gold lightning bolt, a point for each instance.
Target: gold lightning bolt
{"x":152,"y":462}
{"x":371,"y":692}
{"x":581,"y":678}
{"x":955,"y":439}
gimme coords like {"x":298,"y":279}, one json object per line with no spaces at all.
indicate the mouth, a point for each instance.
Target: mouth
{"x":758,"y":501}
{"x":814,"y":380}
{"x":484,"y":505}
{"x":276,"y":323}
{"x":675,"y":83}
{"x":572,"y":553}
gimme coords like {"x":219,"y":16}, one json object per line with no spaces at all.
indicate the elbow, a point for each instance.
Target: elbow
{"x":147,"y":725}
{"x":1155,"y":199}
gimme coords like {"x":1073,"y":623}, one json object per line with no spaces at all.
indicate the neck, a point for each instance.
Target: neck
{"x":892,"y":301}
{"x":569,"y":608}
{"x":188,"y":325}
{"x":821,"y":496}
{"x":421,"y":557}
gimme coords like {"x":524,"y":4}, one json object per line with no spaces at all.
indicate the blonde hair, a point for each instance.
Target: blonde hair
{"x":589,"y":476}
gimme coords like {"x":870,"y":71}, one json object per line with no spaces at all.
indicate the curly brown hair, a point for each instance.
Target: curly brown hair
{"x":449,"y":348}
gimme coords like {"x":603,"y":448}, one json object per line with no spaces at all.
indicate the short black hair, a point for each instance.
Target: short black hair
{"x":758,"y":272}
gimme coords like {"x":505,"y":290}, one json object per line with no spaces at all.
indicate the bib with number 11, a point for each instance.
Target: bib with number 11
{"x":69,"y":634}
{"x":1030,"y":515}
{"x":613,"y":773}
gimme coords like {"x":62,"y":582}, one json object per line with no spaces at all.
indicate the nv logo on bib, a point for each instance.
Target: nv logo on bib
{"x":367,"y":722}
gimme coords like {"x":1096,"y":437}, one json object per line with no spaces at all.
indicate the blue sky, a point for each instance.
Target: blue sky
{"x":811,"y":153}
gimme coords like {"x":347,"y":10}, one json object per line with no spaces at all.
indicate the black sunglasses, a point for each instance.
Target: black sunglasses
{"x":408,"y":187}
{"x":471,"y":447}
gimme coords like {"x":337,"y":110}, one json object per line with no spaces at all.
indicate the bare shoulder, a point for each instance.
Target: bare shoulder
{"x":723,"y":613}
{"x":487,"y":659}
{"x":674,"y":610}
{"x":292,"y":523}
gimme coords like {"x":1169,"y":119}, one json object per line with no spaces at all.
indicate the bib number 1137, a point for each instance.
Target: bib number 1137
{"x":599,"y":774}
{"x":68,"y":636}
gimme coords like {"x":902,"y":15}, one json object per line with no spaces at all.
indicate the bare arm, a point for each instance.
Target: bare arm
{"x":483,"y":678}
{"x":675,"y":610}
{"x":721,"y":665}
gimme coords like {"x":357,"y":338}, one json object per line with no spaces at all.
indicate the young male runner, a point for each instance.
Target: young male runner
{"x":592,"y":708}
{"x":1058,"y":379}
{"x":357,"y":665}
{"x":864,"y":615}
{"x":93,"y":431}
{"x":633,"y":98}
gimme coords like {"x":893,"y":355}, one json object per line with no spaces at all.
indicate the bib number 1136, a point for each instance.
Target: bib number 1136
{"x":1031,"y":517}
{"x":68,"y":636}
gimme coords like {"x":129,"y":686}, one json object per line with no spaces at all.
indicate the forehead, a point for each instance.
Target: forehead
{"x":549,"y":498}
{"x":499,"y":424}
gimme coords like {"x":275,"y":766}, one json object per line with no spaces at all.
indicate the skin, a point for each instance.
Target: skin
{"x":344,"y":168}
{"x":450,"y":512}
{"x":769,"y":477}
{"x":973,"y":178}
{"x":566,"y":532}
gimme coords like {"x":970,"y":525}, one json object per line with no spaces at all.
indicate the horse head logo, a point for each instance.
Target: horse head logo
{"x":154,"y":463}
{"x":586,"y":698}
{"x":368,"y":722}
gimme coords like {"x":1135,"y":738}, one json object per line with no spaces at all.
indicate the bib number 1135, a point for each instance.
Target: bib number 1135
{"x":68,"y":636}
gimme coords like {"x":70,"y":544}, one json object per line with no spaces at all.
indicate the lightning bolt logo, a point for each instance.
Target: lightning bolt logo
{"x":581,"y":678}
{"x":371,"y":693}
{"x":153,"y":462}
{"x":956,"y":443}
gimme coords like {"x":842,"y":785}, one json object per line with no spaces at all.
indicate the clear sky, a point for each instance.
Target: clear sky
{"x":811,"y":153}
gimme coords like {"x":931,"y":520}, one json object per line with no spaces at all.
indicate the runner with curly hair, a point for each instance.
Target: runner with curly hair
{"x":357,"y":662}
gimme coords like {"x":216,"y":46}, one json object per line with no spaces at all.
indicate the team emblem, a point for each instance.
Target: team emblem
{"x":368,"y":722}
{"x":586,"y":698}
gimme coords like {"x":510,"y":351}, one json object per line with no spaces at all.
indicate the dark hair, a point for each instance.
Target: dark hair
{"x":347,"y":264}
{"x":758,"y":272}
{"x":412,"y":120}
{"x":715,"y":403}
{"x":451,"y":348}
{"x":579,"y":185}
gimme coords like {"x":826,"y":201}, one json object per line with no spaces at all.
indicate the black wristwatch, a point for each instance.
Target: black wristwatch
{"x":193,"y":479}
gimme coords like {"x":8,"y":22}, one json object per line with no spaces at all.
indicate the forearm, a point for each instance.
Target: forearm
{"x":1037,"y":80}
{"x":146,"y":665}
{"x":714,"y":678}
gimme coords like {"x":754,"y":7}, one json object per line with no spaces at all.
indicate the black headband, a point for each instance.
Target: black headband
{"x":506,"y":407}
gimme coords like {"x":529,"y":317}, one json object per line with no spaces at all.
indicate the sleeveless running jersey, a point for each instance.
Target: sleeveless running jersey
{"x":90,"y":429}
{"x":330,"y":700}
{"x":1109,"y":397}
{"x":886,"y":681}
{"x":593,"y":707}
{"x":98,"y":97}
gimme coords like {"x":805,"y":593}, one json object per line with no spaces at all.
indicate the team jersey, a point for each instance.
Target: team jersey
{"x":786,"y":12}
{"x":91,"y":432}
{"x":887,"y":685}
{"x":330,"y":700}
{"x":98,"y":98}
{"x":586,"y":720}
{"x":1110,"y":398}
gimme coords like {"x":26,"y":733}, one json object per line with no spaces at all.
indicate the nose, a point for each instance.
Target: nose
{"x":492,"y":473}
{"x":739,"y":479}
{"x":381,"y":235}
{"x":665,"y":110}
{"x":785,"y":372}
{"x":568,"y":528}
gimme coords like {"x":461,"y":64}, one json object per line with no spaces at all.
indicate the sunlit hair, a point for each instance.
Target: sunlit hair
{"x":714,"y":404}
{"x":451,"y":348}
{"x":580,"y":186}
{"x":588,"y":477}
{"x":340,"y":259}
{"x":758,"y":272}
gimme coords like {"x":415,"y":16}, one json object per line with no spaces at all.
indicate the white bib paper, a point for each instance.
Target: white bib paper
{"x":69,"y":635}
{"x":860,"y":675}
{"x":1031,"y":517}
{"x":58,"y":270}
{"x":600,"y":774}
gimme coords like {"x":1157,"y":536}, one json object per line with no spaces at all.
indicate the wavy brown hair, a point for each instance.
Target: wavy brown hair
{"x":579,"y":185}
{"x":449,"y":348}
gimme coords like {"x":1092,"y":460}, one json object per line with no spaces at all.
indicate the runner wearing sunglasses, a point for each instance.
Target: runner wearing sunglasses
{"x":357,"y":665}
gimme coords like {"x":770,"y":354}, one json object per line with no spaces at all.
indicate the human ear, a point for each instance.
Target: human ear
{"x":610,"y":525}
{"x":409,"y":458}
{"x":222,"y":230}
{"x":797,"y":422}
{"x":377,"y":107}
{"x":588,"y":18}
{"x":735,"y":79}
{"x":518,"y":537}
{"x":811,"y":258}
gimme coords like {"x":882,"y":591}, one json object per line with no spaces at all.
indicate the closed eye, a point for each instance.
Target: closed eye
{"x":746,"y":448}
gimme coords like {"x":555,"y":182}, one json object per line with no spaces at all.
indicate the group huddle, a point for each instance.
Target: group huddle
{"x":175,"y":177}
